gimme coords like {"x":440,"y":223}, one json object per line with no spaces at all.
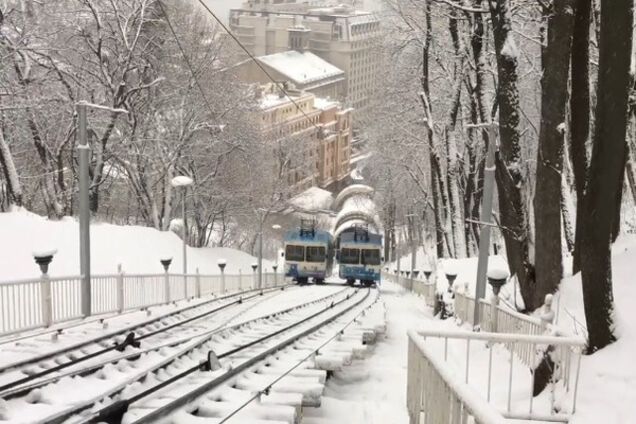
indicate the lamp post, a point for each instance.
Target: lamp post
{"x":84,"y":205}
{"x":165,"y":262}
{"x":221,"y":263}
{"x":497,"y":277}
{"x":44,"y":259}
{"x":254,"y":266}
{"x":276,"y":228}
{"x":183,"y":182}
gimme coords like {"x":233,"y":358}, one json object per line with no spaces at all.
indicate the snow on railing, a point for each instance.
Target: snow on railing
{"x":434,"y":395}
{"x":41,"y":302}
{"x":416,"y":285}
{"x":452,"y":360}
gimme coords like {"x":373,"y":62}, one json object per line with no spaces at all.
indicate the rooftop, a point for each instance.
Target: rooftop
{"x":301,"y":68}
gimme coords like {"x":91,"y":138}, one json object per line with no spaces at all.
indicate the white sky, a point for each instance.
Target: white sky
{"x":222,"y":7}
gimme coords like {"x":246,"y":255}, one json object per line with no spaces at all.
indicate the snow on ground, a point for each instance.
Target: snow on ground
{"x":138,"y":249}
{"x":608,"y":378}
{"x":373,"y":390}
{"x":607,"y":391}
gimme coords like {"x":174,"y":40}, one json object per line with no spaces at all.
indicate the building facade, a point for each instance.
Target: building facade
{"x":313,"y":136}
{"x":340,"y":35}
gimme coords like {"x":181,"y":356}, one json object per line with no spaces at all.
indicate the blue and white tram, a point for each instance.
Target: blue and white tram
{"x":359,"y":256}
{"x":308,"y":254}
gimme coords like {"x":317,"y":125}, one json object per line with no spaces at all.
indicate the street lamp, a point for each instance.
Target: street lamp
{"x":43,"y":259}
{"x":84,"y":208}
{"x":254,"y":266}
{"x":183,"y":182}
{"x":221,"y":263}
{"x":497,"y":277}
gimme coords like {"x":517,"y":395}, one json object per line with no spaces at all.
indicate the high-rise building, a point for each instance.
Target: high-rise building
{"x":340,"y":35}
{"x":315,"y":133}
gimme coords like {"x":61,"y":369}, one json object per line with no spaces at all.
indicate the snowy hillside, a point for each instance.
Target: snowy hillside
{"x":138,"y":249}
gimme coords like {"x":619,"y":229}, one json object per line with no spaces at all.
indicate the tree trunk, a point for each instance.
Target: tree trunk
{"x":606,"y":171}
{"x":554,"y":92}
{"x":510,"y":181}
{"x":580,"y":115}
{"x":7,"y":165}
{"x":566,"y":215}
{"x":457,"y":215}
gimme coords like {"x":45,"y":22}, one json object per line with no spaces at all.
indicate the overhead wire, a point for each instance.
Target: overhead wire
{"x":261,"y":67}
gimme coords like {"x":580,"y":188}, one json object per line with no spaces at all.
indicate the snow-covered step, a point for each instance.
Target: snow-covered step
{"x":256,"y":411}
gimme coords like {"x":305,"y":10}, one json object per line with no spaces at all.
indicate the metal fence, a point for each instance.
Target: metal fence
{"x":435,"y":396}
{"x":33,"y":303}
{"x":437,"y":393}
{"x":416,"y":285}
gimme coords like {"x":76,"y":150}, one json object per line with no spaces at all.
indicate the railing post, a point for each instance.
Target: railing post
{"x":198,"y":282}
{"x":166,"y":266}
{"x":47,"y":300}
{"x":43,"y":259}
{"x":120,"y":289}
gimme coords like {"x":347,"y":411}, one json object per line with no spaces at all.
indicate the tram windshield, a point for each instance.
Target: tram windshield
{"x":316,"y":254}
{"x":371,"y":256}
{"x":295,"y":253}
{"x":350,"y":256}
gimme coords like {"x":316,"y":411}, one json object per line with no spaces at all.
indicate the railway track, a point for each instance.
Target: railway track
{"x":111,"y":375}
{"x":54,"y":357}
{"x":31,"y":349}
{"x":262,"y":370}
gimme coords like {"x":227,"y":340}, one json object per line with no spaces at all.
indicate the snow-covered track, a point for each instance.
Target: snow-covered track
{"x":185,"y":385}
{"x":36,"y":344}
{"x":53,"y":361}
{"x":135,"y":365}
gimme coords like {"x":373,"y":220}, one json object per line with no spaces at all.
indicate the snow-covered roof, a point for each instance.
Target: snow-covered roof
{"x":322,"y":103}
{"x":301,"y":68}
{"x":313,"y":199}
{"x":272,"y":100}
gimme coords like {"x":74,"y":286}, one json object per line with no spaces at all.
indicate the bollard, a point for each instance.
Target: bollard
{"x":43,"y":259}
{"x":451,"y":276}
{"x":254,"y":266}
{"x":275,"y":267}
{"x":496,"y":278}
{"x":427,"y":274}
{"x":222,"y":263}
{"x":547,"y":314}
{"x":120,"y":289}
{"x":166,"y":265}
{"x":197,"y":280}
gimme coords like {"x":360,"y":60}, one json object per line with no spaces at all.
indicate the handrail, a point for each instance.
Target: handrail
{"x":453,"y":402}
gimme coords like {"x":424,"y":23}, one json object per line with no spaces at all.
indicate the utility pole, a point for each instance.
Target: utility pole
{"x":261,"y":213}
{"x":84,"y":210}
{"x":486,"y":217}
{"x":84,"y":150}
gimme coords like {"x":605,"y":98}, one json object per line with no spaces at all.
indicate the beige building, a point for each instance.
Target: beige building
{"x":316,"y":138}
{"x":340,"y":35}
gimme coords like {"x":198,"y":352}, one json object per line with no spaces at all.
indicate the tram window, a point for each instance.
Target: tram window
{"x":294,"y":253}
{"x":350,"y":256}
{"x":315,"y":254}
{"x":371,"y":257}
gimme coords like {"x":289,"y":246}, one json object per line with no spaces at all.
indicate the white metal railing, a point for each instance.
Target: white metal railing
{"x":416,"y":285}
{"x":501,"y":319}
{"x":435,"y":396}
{"x":33,"y":303}
{"x":437,"y":389}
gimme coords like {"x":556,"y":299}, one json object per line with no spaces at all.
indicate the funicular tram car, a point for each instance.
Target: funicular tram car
{"x":308,"y":253}
{"x":359,"y":256}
